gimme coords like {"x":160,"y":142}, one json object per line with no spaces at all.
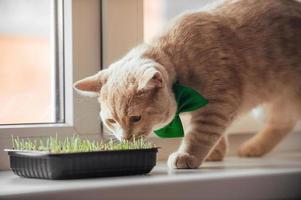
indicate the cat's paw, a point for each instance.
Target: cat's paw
{"x":178,"y":160}
{"x":251,"y":149}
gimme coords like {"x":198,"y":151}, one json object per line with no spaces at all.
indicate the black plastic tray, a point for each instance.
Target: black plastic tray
{"x":82,"y":165}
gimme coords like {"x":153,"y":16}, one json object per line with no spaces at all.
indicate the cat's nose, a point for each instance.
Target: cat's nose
{"x":122,"y":135}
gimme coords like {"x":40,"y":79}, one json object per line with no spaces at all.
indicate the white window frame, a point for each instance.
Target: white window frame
{"x":82,"y":57}
{"x":123,"y":27}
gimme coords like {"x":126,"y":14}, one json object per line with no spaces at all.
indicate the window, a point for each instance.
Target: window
{"x":55,"y":43}
{"x":29,"y":59}
{"x":44,"y":53}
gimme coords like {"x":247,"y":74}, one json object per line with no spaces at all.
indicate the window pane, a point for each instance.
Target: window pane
{"x":28,"y":71}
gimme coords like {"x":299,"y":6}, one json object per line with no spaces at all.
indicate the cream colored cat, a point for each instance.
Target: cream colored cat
{"x":239,"y":55}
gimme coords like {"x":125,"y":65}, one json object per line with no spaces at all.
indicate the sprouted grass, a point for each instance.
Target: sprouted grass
{"x":76,"y":144}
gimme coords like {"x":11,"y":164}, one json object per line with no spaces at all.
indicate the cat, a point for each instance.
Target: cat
{"x":239,"y":55}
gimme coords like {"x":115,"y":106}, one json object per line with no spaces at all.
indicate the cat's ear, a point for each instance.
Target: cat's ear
{"x":150,"y":79}
{"x":91,"y":86}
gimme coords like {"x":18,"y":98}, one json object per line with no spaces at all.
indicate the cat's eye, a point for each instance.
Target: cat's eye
{"x":135,"y":119}
{"x":111,"y":121}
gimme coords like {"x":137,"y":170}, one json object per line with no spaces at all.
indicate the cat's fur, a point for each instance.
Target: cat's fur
{"x":241,"y":54}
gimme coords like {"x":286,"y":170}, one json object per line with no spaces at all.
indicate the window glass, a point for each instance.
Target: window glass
{"x":28,"y":75}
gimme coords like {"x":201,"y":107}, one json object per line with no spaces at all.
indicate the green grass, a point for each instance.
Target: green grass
{"x":76,"y":144}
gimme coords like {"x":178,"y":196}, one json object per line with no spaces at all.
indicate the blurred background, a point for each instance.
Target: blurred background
{"x":158,"y":13}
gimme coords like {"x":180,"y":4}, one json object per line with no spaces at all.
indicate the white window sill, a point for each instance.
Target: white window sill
{"x":273,"y":177}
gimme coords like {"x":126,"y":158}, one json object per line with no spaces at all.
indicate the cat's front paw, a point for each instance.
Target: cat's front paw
{"x":179,"y":160}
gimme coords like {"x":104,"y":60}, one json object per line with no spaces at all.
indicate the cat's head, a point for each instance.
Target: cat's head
{"x":134,"y":95}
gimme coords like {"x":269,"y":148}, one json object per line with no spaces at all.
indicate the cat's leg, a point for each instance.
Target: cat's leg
{"x":207,"y":127}
{"x":282,"y":117}
{"x":219,"y":151}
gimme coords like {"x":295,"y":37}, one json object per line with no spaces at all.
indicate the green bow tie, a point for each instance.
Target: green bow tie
{"x":187,"y":100}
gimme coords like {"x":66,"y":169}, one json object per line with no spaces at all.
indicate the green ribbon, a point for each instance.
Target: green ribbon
{"x":187,"y":100}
